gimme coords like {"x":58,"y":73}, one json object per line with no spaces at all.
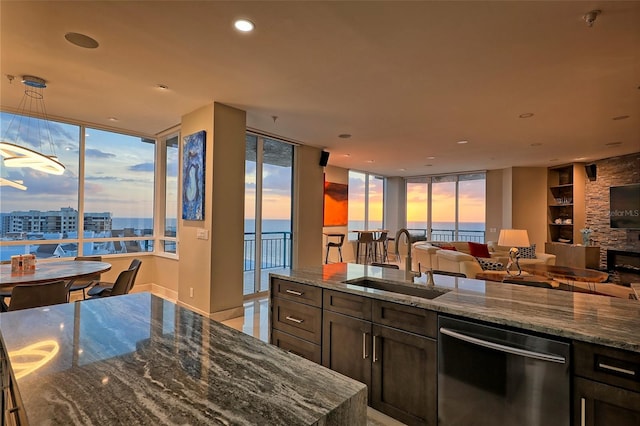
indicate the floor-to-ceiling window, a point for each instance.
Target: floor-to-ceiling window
{"x":102,"y":204}
{"x":268,"y":210}
{"x":366,"y":202}
{"x":447,"y":208}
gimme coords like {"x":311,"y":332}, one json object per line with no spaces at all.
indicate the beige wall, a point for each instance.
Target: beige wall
{"x":523,"y":197}
{"x":210,"y":270}
{"x":227,"y":230}
{"x":395,"y":205}
{"x":307,"y":210}
{"x":494,"y":207}
{"x":337,"y":175}
{"x":195,"y":255}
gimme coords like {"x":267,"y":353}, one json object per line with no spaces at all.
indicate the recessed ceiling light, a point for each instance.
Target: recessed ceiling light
{"x":613,"y":143}
{"x":462,"y":142}
{"x":162,"y":86}
{"x":81,"y":40}
{"x":431,"y":158}
{"x":344,"y":135}
{"x":347,"y":155}
{"x":113,"y":119}
{"x":580,"y":159}
{"x":244,"y":25}
{"x":536,"y":144}
{"x":526,"y":115}
{"x":620,"y":117}
{"x":370,"y":161}
{"x":402,"y":170}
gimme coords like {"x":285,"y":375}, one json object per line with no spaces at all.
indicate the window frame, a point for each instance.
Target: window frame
{"x":429,"y":180}
{"x":159,"y":200}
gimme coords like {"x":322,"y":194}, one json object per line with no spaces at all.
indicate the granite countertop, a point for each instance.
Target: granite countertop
{"x":590,"y":318}
{"x":139,"y":359}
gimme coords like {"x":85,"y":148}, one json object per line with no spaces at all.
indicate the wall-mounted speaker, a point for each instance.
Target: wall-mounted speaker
{"x":591,"y":171}
{"x":324,"y":158}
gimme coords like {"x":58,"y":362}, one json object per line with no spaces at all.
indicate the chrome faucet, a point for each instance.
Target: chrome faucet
{"x":408,"y":273}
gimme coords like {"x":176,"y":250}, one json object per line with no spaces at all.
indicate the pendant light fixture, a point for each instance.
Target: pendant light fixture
{"x":12,"y":148}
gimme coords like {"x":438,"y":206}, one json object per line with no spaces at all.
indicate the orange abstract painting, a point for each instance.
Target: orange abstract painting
{"x":336,"y":204}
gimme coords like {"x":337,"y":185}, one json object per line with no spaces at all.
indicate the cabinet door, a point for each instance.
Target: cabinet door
{"x":346,"y":346}
{"x":404,"y":375}
{"x":296,"y":346}
{"x":597,"y":404}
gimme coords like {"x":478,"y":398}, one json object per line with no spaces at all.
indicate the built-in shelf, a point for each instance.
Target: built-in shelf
{"x":565,"y":200}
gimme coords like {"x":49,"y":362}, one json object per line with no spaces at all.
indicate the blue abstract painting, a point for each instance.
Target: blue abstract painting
{"x":193,"y":176}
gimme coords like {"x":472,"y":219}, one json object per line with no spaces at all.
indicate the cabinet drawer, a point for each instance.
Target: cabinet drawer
{"x":297,"y":346}
{"x":300,"y":320}
{"x":607,"y":365}
{"x":347,"y":304}
{"x":407,"y":318}
{"x":295,"y":291}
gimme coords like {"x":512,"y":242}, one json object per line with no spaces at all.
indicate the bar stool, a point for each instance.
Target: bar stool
{"x":380,"y":246}
{"x":365,"y":242}
{"x":337,"y":245}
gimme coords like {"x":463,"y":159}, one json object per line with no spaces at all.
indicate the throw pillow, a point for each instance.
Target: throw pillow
{"x":527,"y":252}
{"x":490,"y":265}
{"x":478,"y":250}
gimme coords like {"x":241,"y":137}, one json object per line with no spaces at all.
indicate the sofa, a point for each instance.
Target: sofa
{"x":439,"y":255}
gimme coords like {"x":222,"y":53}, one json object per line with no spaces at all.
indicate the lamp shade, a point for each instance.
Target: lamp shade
{"x":513,"y":238}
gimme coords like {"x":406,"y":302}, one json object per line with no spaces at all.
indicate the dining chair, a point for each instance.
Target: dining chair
{"x":37,"y":295}
{"x":82,"y":283}
{"x":4,"y":292}
{"x":103,"y":289}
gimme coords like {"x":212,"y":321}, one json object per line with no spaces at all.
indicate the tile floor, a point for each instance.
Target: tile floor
{"x":255,"y":322}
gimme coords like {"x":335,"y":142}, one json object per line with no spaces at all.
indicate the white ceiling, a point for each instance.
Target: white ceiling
{"x":406,"y":79}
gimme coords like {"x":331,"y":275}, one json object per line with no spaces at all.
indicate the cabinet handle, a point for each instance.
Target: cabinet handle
{"x":295,"y":293}
{"x":583,"y":409}
{"x":296,"y":320}
{"x":616,"y":369}
{"x":375,"y":358}
{"x":364,"y":346}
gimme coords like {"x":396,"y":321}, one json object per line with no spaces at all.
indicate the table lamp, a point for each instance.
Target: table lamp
{"x":514,"y":238}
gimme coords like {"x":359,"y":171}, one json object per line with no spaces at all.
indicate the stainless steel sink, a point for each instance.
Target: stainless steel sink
{"x":426,"y":293}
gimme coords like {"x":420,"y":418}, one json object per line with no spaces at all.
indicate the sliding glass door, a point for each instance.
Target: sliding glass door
{"x":268,"y":207}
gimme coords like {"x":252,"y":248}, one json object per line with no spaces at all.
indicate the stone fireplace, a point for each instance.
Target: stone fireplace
{"x":624,"y":266}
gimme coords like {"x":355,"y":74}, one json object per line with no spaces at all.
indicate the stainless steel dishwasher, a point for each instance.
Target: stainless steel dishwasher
{"x":489,"y":375}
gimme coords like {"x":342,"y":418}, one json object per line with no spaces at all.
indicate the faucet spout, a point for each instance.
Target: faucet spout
{"x":408,"y":273}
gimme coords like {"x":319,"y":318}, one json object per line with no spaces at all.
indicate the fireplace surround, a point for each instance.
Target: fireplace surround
{"x":624,"y":265}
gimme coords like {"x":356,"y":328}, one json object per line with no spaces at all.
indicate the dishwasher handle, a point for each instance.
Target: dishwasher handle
{"x":503,"y":348}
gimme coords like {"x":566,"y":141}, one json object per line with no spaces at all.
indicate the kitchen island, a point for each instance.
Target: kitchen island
{"x":608,"y":321}
{"x":372,"y":325}
{"x":139,"y":359}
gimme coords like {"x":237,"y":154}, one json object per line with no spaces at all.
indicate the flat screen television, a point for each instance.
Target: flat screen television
{"x":624,"y":206}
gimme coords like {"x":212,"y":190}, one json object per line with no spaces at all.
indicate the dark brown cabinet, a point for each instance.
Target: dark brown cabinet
{"x":296,"y":318}
{"x":606,"y":386}
{"x":346,"y":346}
{"x":404,"y":375}
{"x":398,"y":366}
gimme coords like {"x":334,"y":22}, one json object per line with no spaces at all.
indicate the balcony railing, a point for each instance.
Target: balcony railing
{"x":276,"y":250}
{"x":448,"y":235}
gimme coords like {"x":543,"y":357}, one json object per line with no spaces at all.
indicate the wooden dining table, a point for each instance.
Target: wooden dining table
{"x":51,"y":272}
